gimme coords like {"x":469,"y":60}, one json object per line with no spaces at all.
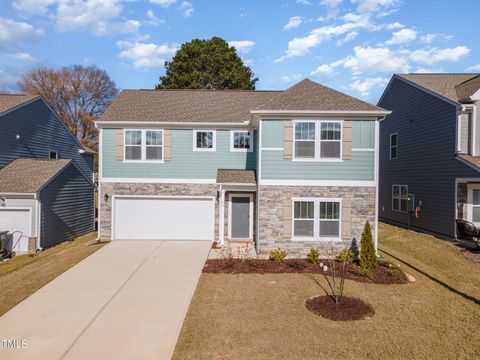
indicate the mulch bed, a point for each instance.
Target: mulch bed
{"x":349,"y":308}
{"x":382,"y":275}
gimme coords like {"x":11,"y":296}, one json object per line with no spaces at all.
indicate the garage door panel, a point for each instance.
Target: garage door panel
{"x":164,"y":218}
{"x":11,"y":220}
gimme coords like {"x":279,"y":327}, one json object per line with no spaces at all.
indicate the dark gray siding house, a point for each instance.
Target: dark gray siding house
{"x":429,"y":152}
{"x":47,"y":193}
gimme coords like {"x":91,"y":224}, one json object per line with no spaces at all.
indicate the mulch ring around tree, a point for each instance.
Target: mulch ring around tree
{"x":381,"y":275}
{"x":347,"y":310}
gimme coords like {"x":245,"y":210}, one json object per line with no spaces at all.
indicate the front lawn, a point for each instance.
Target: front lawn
{"x":23,"y":275}
{"x":262,"y":316}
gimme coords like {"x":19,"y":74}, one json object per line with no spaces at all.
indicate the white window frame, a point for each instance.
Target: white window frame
{"x":393,"y":146}
{"x":399,"y":197}
{"x":143,"y":146}
{"x":50,"y":153}
{"x":470,"y":206}
{"x":232,"y":137}
{"x":214,"y":140}
{"x":316,"y":219}
{"x":318,"y":141}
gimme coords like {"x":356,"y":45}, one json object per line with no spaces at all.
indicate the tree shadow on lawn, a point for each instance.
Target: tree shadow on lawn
{"x":440,"y":282}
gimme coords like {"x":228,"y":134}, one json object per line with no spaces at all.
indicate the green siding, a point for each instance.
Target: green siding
{"x":360,"y":167}
{"x":185,"y":163}
{"x":272,"y":133}
{"x":363,"y":134}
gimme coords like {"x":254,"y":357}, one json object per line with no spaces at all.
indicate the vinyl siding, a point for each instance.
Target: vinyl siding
{"x":360,"y":167}
{"x":426,"y":128}
{"x":40,"y":131}
{"x":67,"y":204}
{"x":185,"y":163}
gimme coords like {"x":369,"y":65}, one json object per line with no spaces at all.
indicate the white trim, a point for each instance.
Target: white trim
{"x":468,"y":163}
{"x":27,"y":195}
{"x":377,"y":179}
{"x":214,"y":140}
{"x":350,"y":183}
{"x":361,"y":149}
{"x":316,"y":219}
{"x":112,"y":218}
{"x":259,"y":176}
{"x":252,"y":140}
{"x":221,"y":216}
{"x":470,"y":188}
{"x":243,"y":185}
{"x":273,"y":149}
{"x":390,"y":147}
{"x":158,"y":181}
{"x":458,"y":137}
{"x":143,"y":147}
{"x":474,"y":131}
{"x":100,"y":202}
{"x":175,"y":123}
{"x":250,"y":218}
{"x":326,"y":112}
{"x":318,"y":140}
{"x":38,"y":223}
{"x":476,"y":96}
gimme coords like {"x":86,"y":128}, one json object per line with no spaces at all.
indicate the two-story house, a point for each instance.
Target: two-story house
{"x":291,"y":169}
{"x":47,"y":193}
{"x":430,"y":151}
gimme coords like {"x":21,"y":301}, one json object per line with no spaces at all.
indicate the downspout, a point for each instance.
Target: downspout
{"x":221,"y":215}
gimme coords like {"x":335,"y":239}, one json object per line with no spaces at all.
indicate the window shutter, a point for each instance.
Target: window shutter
{"x":288,"y":140}
{"x":287,"y":218}
{"x":119,"y":145}
{"x":167,"y":147}
{"x":347,"y":140}
{"x":346,"y":220}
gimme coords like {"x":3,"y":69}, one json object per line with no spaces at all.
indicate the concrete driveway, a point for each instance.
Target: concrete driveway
{"x":126,"y":301}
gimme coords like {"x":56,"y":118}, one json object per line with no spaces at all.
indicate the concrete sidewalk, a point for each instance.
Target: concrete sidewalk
{"x":127,"y":300}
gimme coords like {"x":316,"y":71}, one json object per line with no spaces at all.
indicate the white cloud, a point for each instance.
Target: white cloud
{"x":96,"y":16}
{"x":349,"y":37}
{"x":146,"y":55}
{"x":365,"y":86}
{"x":474,"y":68}
{"x":402,"y":36}
{"x":380,"y":7}
{"x":426,"y":70}
{"x":428,"y":38}
{"x":291,"y":78}
{"x":243,"y":46}
{"x":434,"y":55}
{"x":32,"y":7}
{"x":375,"y":60}
{"x":163,"y":3}
{"x":13,"y":33}
{"x":153,"y":19}
{"x":332,"y":9}
{"x":187,"y":8}
{"x":293,"y":22}
{"x":322,"y":70}
{"x":395,"y":26}
{"x":303,"y":2}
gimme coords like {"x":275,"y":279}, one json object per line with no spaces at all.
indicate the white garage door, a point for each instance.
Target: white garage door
{"x":172,"y":218}
{"x":13,"y":220}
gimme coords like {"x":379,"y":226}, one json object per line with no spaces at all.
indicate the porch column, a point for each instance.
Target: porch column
{"x":221,"y":217}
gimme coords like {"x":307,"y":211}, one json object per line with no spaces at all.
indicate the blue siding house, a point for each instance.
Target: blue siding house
{"x":47,"y":193}
{"x":430,"y":152}
{"x":293,"y":169}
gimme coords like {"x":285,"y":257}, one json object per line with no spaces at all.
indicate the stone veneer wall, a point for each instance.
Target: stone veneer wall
{"x":149,"y":189}
{"x":271,"y":200}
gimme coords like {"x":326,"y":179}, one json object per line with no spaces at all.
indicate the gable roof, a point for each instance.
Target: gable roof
{"x":236,"y":176}
{"x":467,"y":89}
{"x":443,"y":84}
{"x":29,"y":175}
{"x":9,"y":101}
{"x":226,"y":106}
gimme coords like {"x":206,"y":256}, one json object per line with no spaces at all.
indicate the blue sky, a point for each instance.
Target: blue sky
{"x":352,"y":45}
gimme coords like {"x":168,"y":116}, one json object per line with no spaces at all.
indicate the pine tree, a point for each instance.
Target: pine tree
{"x":368,"y":258}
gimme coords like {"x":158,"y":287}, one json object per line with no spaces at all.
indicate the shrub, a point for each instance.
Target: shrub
{"x":363,"y":272}
{"x":345,"y":255}
{"x":278,"y":255}
{"x":368,"y":258}
{"x":313,"y":256}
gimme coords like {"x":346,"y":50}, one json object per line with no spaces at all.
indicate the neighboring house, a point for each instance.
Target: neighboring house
{"x":292,"y":169}
{"x":430,"y":151}
{"x":44,"y":197}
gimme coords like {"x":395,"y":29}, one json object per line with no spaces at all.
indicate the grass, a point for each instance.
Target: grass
{"x":24,"y":274}
{"x":264,"y":317}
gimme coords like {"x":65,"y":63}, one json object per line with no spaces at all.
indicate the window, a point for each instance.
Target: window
{"x":53,"y":154}
{"x":400,"y":198}
{"x":318,"y":140}
{"x":476,"y":206}
{"x":316,"y":219}
{"x":393,"y":146}
{"x":144,"y":145}
{"x":204,"y":140}
{"x":241,"y":140}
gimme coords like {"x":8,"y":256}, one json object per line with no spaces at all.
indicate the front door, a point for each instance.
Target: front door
{"x":240,"y":217}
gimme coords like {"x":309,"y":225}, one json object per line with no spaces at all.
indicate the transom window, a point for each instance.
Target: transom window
{"x":241,"y":140}
{"x":318,"y":140}
{"x":393,"y":146}
{"x":144,"y":145}
{"x":400,"y":198}
{"x":316,"y":219}
{"x":204,"y":140}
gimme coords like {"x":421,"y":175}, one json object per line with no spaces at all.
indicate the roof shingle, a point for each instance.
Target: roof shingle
{"x":9,"y":101}
{"x":29,"y":175}
{"x":236,"y":176}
